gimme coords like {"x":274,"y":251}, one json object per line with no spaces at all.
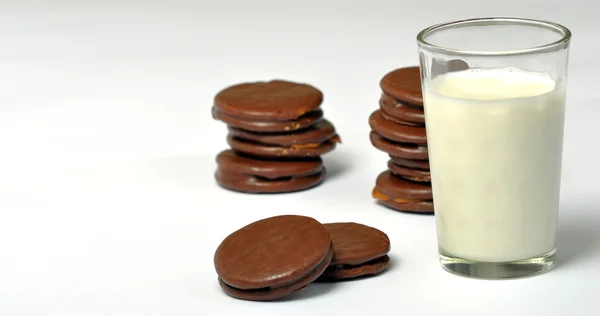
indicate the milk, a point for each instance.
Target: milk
{"x":495,"y":148}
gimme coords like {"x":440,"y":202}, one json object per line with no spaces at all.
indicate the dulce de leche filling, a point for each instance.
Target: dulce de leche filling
{"x":293,"y":126}
{"x":301,"y":146}
{"x":377,"y":194}
{"x":334,"y":139}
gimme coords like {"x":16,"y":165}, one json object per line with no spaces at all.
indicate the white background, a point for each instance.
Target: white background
{"x":108,"y":204}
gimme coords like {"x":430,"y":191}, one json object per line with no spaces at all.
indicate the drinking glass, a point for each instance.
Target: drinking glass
{"x":494,"y":93}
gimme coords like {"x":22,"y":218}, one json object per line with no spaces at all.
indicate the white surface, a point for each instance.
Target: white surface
{"x":107,"y":200}
{"x":495,"y":141}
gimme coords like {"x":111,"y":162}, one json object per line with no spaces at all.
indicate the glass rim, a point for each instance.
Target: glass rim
{"x":552,"y":26}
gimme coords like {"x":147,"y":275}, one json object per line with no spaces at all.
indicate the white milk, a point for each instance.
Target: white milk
{"x":495,"y":149}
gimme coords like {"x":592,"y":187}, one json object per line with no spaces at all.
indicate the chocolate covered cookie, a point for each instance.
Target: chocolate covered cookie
{"x":397,"y":132}
{"x":359,"y":250}
{"x":411,"y":163}
{"x":402,"y":194}
{"x":273,"y":257}
{"x":311,"y":137}
{"x":253,"y":184}
{"x":401,"y":113}
{"x":258,"y":125}
{"x":276,"y":151}
{"x":247,"y":174}
{"x":409,"y":173}
{"x":401,"y":150}
{"x":273,"y":100}
{"x":404,"y":84}
{"x":423,"y":207}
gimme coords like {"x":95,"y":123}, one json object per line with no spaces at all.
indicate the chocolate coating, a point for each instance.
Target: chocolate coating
{"x":399,"y":121}
{"x":408,"y":173}
{"x":272,"y":100}
{"x":272,"y":252}
{"x":302,"y":122}
{"x":402,"y":150}
{"x":397,"y":132}
{"x":410,"y":163}
{"x":414,"y":207}
{"x":400,"y":111}
{"x":266,"y":294}
{"x":246,"y":183}
{"x":342,"y":272}
{"x":355,"y":243}
{"x":404,"y":84}
{"x":396,"y":188}
{"x":274,"y":151}
{"x":270,"y":169}
{"x":316,"y":134}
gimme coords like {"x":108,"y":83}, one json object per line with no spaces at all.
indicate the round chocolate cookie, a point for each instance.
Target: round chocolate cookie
{"x":269,"y":169}
{"x":414,"y":207}
{"x":247,"y":183}
{"x":273,"y":257}
{"x":266,"y":101}
{"x":403,"y":195}
{"x":275,"y":151}
{"x":311,"y":137}
{"x":408,"y":173}
{"x":395,"y":187}
{"x":404,"y":84}
{"x":342,"y":272}
{"x":411,"y":163}
{"x":397,"y":132}
{"x":402,"y":150}
{"x":391,"y":107}
{"x":359,"y":250}
{"x":398,"y":121}
{"x":302,"y":122}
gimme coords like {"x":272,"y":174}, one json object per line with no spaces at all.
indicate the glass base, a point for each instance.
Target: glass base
{"x":497,"y":270}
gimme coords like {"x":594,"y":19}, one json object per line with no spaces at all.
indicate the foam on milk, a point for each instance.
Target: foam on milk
{"x":495,"y":149}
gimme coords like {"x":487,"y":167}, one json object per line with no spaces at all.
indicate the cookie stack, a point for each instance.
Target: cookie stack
{"x":277,"y":134}
{"x":398,"y":129}
{"x":277,"y":256}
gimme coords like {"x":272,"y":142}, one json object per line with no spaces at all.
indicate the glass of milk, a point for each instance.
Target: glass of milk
{"x":494,"y":96}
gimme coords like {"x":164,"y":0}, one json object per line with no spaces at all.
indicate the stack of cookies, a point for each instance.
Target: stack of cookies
{"x":277,"y":134}
{"x":398,"y":129}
